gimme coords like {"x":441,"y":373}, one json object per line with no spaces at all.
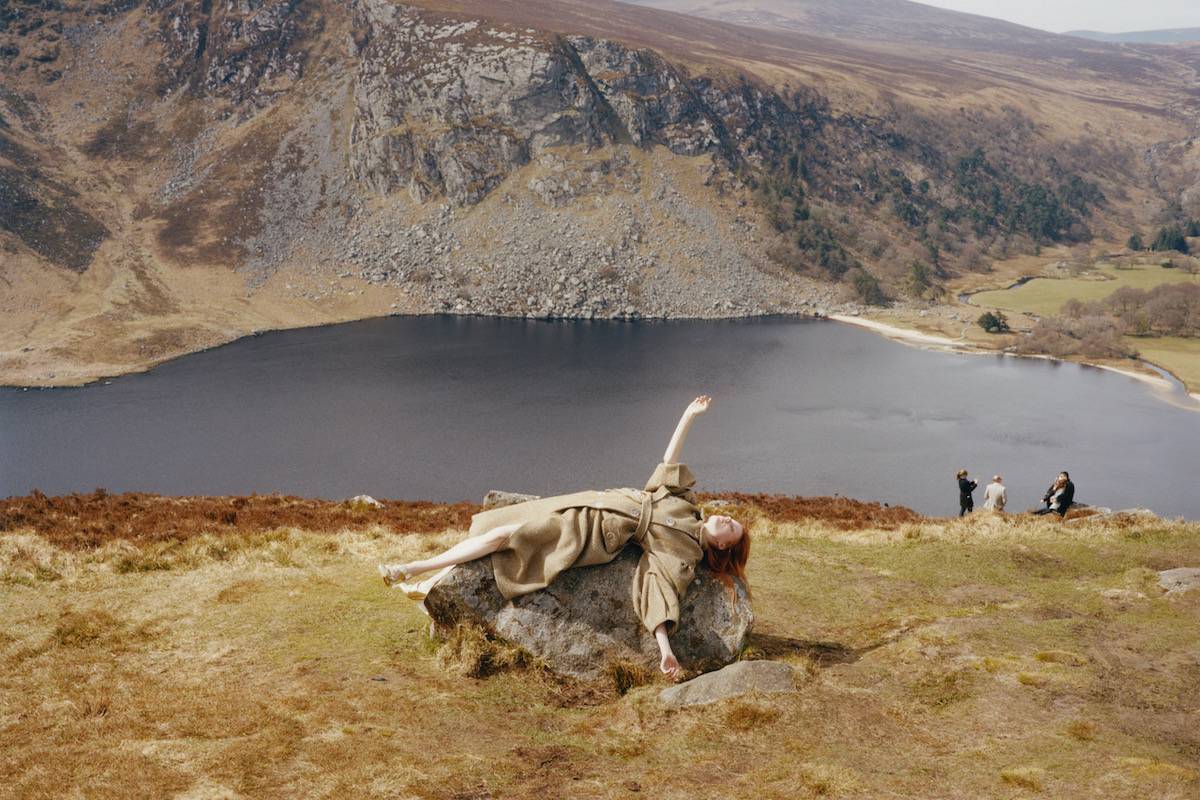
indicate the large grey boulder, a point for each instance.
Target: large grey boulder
{"x":585,"y":620}
{"x":764,"y":677}
{"x":1180,"y":579}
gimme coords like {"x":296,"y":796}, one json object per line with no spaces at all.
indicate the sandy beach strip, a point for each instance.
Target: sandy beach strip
{"x":934,"y":342}
{"x":904,"y":334}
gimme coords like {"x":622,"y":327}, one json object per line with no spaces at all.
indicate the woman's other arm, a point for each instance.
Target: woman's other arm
{"x":667,"y":663}
{"x":694,"y":409}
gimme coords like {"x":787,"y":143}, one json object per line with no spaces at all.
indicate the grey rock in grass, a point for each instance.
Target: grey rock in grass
{"x":1180,"y":579}
{"x":743,"y":677}
{"x":496,"y":498}
{"x":363,"y":502}
{"x":1125,"y":515}
{"x":584,"y":621}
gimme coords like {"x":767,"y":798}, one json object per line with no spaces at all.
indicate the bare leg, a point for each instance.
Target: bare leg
{"x":467,"y":550}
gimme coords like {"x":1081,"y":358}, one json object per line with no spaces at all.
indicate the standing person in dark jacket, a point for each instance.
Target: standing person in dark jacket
{"x":1059,"y":497}
{"x":966,"y":503}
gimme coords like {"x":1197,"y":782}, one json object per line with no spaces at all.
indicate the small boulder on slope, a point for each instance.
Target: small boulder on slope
{"x":1180,"y":579}
{"x":743,"y":677}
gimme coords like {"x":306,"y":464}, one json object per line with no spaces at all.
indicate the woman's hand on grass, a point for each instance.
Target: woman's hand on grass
{"x":668,"y":663}
{"x":669,"y":666}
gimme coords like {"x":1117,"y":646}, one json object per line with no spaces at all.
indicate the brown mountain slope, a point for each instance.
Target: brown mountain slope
{"x":178,"y":173}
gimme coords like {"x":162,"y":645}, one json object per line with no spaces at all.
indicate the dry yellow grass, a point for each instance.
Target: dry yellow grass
{"x":278,"y":666}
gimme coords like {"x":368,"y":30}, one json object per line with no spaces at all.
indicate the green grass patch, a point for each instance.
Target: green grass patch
{"x":1045,"y":296}
{"x":1177,"y":355}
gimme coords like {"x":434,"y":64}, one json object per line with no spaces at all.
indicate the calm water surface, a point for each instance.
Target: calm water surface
{"x":446,"y":408}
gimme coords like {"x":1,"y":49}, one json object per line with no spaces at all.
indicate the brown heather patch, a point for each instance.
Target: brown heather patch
{"x":626,"y":676}
{"x":747,"y":717}
{"x":87,"y":521}
{"x":1026,"y":777}
{"x":124,"y":139}
{"x":1082,"y":730}
{"x":212,"y":221}
{"x":840,"y":512}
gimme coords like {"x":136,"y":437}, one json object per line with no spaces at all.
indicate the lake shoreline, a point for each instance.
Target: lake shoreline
{"x":932,"y":342}
{"x":24,"y":379}
{"x":893,"y":332}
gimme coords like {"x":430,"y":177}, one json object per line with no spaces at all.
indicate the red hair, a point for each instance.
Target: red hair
{"x":731,"y":563}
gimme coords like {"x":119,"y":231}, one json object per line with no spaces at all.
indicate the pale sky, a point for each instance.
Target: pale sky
{"x":1110,"y":16}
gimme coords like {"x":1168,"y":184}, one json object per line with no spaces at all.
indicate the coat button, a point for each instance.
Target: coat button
{"x":671,"y":521}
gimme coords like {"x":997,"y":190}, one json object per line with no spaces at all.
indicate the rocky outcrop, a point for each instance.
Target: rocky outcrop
{"x":244,"y":52}
{"x":451,"y":107}
{"x":744,"y":677}
{"x":585,"y":621}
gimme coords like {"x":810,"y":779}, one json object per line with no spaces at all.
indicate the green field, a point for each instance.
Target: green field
{"x":1179,"y":356}
{"x":1045,"y":296}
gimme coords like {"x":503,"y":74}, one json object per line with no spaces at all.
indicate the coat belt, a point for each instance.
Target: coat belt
{"x":644,"y":519}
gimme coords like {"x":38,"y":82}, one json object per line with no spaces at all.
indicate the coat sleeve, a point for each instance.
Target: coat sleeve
{"x":676,"y":477}
{"x":663,"y":575}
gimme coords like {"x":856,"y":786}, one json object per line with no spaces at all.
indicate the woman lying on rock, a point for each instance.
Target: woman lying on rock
{"x":531,"y":543}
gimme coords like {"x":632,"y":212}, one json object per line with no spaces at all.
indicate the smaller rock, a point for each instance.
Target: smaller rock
{"x":496,"y":498}
{"x":362,"y":502}
{"x":1180,"y":579}
{"x":1122,"y":595}
{"x":741,"y":677}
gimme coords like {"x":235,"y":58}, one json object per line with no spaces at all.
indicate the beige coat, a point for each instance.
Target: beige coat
{"x":588,"y":528}
{"x":995,"y":496}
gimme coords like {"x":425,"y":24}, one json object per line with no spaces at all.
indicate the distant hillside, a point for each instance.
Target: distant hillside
{"x":874,"y":20}
{"x":1165,"y":36}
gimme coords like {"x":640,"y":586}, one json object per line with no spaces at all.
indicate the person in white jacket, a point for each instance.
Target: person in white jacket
{"x":995,"y":495}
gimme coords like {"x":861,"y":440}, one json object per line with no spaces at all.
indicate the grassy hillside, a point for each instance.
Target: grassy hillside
{"x":1045,"y":296}
{"x":993,"y":657}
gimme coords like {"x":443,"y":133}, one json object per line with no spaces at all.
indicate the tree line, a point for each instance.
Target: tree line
{"x":1097,"y":329}
{"x":1169,"y":237}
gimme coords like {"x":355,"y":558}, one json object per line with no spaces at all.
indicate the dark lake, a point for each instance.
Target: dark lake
{"x":445,"y":408}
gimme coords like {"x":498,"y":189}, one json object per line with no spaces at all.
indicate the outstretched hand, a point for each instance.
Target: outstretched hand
{"x":699,"y":405}
{"x":669,"y":666}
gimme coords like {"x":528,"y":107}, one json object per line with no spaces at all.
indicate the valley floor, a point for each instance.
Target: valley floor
{"x":244,"y":647}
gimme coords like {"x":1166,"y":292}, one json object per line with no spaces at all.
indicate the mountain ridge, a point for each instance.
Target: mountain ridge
{"x":1155,"y":36}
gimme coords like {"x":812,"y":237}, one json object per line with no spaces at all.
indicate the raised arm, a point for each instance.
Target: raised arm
{"x":694,"y":409}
